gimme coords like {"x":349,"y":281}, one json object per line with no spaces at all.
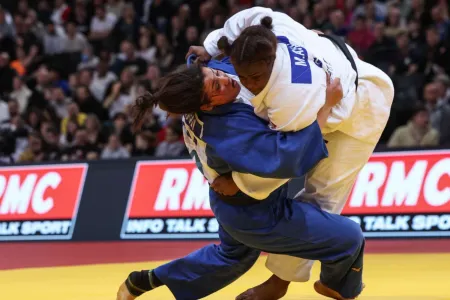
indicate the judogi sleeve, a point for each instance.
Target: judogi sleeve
{"x":248,"y":145}
{"x":295,"y":106}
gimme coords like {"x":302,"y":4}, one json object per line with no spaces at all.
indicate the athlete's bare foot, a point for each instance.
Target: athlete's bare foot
{"x":327,"y":292}
{"x":124,"y":294}
{"x":272,"y":289}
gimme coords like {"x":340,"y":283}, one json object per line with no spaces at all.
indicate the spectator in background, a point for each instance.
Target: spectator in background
{"x":101,"y":25}
{"x":7,"y":30}
{"x":381,"y":52}
{"x":94,"y":131}
{"x":146,"y":50}
{"x":151,"y":123}
{"x":128,"y":58}
{"x":75,"y":115}
{"x":159,"y":14}
{"x":23,"y":9}
{"x":121,"y":93}
{"x":13,"y":110}
{"x":29,"y":35}
{"x":439,"y":15}
{"x":102,"y":78}
{"x":114,"y":150}
{"x":44,"y":11}
{"x":23,"y":61}
{"x":60,"y":12}
{"x":80,"y":17}
{"x":371,"y":9}
{"x":33,"y":119}
{"x":417,"y":12}
{"x":184,"y":13}
{"x":437,"y":54}
{"x":172,"y":146}
{"x":73,"y":41}
{"x":164,"y":53}
{"x":127,"y":27}
{"x":439,"y":112}
{"x":41,"y":81}
{"x":53,"y":39}
{"x":121,"y":128}
{"x":144,"y":144}
{"x":152,"y":76}
{"x":84,"y":77}
{"x":418,"y":132}
{"x":21,"y":93}
{"x":59,"y":102}
{"x":80,"y":146}
{"x":4,"y":114}
{"x":406,"y":60}
{"x":394,"y":22}
{"x":88,"y":59}
{"x":67,"y":138}
{"x":33,"y":27}
{"x":35,"y":150}
{"x":416,"y":35}
{"x":115,"y":7}
{"x":336,"y":25}
{"x":191,"y":39}
{"x":88,"y":104}
{"x":361,"y":38}
{"x":6,"y":74}
{"x":443,"y":85}
{"x":177,"y":32}
{"x":319,"y":15}
{"x":49,"y":136}
{"x":21,"y":132}
{"x":308,"y":22}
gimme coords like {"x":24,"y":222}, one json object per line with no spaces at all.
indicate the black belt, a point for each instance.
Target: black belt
{"x":341,"y":45}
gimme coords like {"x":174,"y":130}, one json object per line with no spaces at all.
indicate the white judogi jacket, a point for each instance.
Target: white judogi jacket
{"x":297,"y":86}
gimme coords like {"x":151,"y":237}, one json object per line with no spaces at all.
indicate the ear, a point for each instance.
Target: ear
{"x":207,"y":107}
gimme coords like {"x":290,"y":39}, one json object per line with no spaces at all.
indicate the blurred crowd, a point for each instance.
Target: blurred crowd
{"x":71,"y":69}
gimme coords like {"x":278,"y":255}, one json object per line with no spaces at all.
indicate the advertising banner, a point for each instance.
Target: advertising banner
{"x":397,"y":194}
{"x":168,"y":199}
{"x":403,"y":194}
{"x":40,"y":202}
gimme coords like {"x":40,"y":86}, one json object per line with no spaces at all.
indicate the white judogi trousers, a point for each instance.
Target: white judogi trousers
{"x":329,"y":184}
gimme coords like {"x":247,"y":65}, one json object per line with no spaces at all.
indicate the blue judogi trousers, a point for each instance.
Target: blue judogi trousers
{"x":276,"y":225}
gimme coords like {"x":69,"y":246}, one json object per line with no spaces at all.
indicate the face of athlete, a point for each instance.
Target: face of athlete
{"x":219,"y":88}
{"x":255,"y":76}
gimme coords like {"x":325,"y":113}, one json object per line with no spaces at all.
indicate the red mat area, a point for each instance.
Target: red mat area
{"x":26,"y":255}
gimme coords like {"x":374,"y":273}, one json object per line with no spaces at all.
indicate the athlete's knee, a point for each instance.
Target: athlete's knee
{"x":249,"y":259}
{"x":241,"y":256}
{"x":353,"y":237}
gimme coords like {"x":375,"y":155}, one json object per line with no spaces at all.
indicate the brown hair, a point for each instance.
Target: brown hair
{"x":180,"y":92}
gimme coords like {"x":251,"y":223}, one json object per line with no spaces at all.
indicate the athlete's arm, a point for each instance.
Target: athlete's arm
{"x":248,"y":145}
{"x":333,"y":96}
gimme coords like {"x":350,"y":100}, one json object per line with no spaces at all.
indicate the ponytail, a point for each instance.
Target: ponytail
{"x":141,"y":107}
{"x":179,"y":92}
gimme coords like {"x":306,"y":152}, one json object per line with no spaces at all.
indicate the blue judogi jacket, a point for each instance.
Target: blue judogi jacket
{"x":232,"y":138}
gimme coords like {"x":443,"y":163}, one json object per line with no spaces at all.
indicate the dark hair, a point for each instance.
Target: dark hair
{"x":255,"y":43}
{"x":418,"y":109}
{"x":179,"y":92}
